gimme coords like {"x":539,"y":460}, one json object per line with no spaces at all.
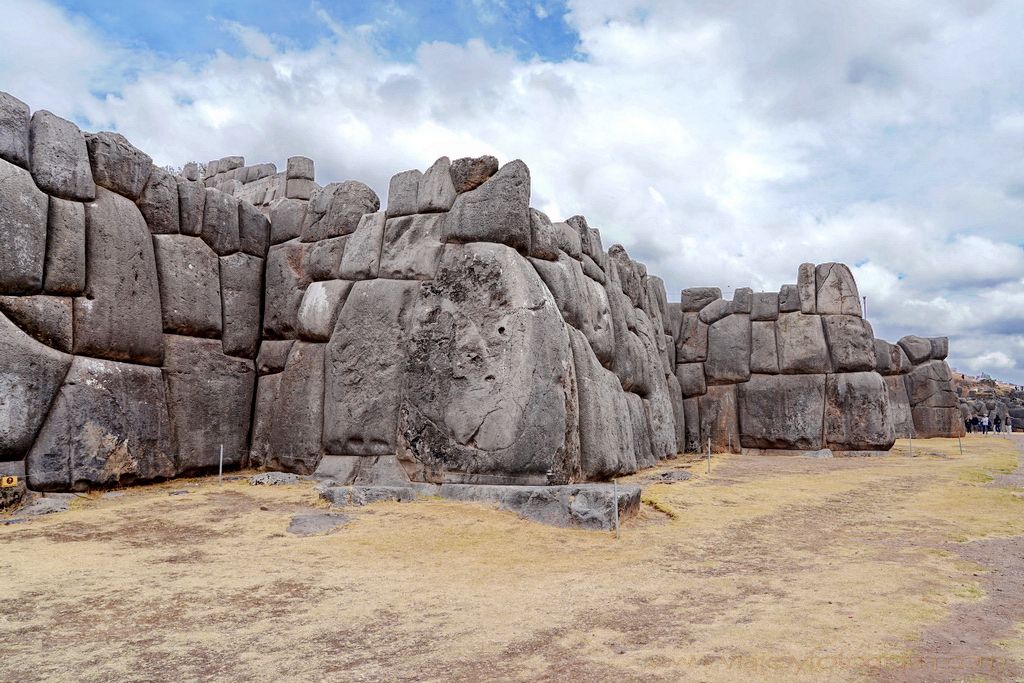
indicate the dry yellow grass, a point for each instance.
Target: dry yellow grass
{"x":787,"y":569}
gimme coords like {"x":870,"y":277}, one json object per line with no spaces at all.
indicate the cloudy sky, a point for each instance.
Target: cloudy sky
{"x":723,"y":142}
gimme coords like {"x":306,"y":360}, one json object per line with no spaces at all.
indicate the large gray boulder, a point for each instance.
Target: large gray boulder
{"x":496,"y":211}
{"x":191,"y":205}
{"x":930,"y":422}
{"x":890,"y":359}
{"x":718,"y":419}
{"x":789,"y":299}
{"x":568,"y":239}
{"x":190,"y":296}
{"x":46,"y":318}
{"x":606,"y":436}
{"x":65,"y":248}
{"x":209,"y":401}
{"x":286,"y":219}
{"x":365,"y":368}
{"x":806,"y":286}
{"x":336,"y":209}
{"x":918,"y":349}
{"x":435,"y":191}
{"x":715,"y":311}
{"x":469,"y":173}
{"x":403,"y":193}
{"x":544,"y":238}
{"x":930,"y":384}
{"x":108,"y":426}
{"x":690,"y":377}
{"x":273,"y":356}
{"x":857,"y":416}
{"x":323,"y":258}
{"x":764,"y":353}
{"x":692,"y":340}
{"x":321,"y":304}
{"x":220,"y":222}
{"x":583,"y":303}
{"x":489,"y":395}
{"x":411,"y":247}
{"x":30,"y":376}
{"x":836,"y":292}
{"x":691,"y":424}
{"x":728,"y":350}
{"x":241,"y":288}
{"x":782,"y":411}
{"x":253,"y":230}
{"x":801,"y":344}
{"x":940,"y":348}
{"x":286,"y":282}
{"x":14,"y":125}
{"x":694,"y":299}
{"x":361,"y":260}
{"x":641,"y":430}
{"x":851,"y":342}
{"x":119,"y":317}
{"x":899,"y":406}
{"x":22,"y":231}
{"x":117,"y":164}
{"x":765,"y":306}
{"x":675,"y":395}
{"x":59,"y":158}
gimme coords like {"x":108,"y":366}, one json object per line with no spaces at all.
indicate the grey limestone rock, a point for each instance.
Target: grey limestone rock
{"x":315,"y":523}
{"x":692,"y":341}
{"x":253,"y":230}
{"x":436,"y":192}
{"x":592,"y":270}
{"x":582,"y":302}
{"x":59,"y":159}
{"x":189,"y":275}
{"x":190,"y":171}
{"x":361,"y":260}
{"x":765,"y":306}
{"x":918,"y":349}
{"x":715,"y":311}
{"x":690,"y":377}
{"x":782,"y":411}
{"x":929,"y":384}
{"x":940,"y":348}
{"x":836,"y":292}
{"x":286,"y":281}
{"x":743,"y":300}
{"x":337,"y":209}
{"x":14,"y":125}
{"x":117,"y":164}
{"x":286,"y":219}
{"x":273,"y":479}
{"x":568,"y":240}
{"x":899,"y":406}
{"x":191,"y":205}
{"x":696,"y":298}
{"x":857,"y":415}
{"x":30,"y":376}
{"x":300,"y":167}
{"x":728,"y":350}
{"x":119,"y":316}
{"x":411,"y":247}
{"x":806,"y":286}
{"x":789,"y":299}
{"x":718,"y":419}
{"x":46,"y":318}
{"x":273,"y":356}
{"x":23,"y":217}
{"x":641,"y":430}
{"x":764,"y":353}
{"x":108,"y":426}
{"x":403,"y":193}
{"x":299,"y":188}
{"x":65,"y":248}
{"x":323,"y":258}
{"x":159,"y":203}
{"x":544,"y":238}
{"x":691,"y":425}
{"x":469,"y":173}
{"x":851,"y":342}
{"x":930,"y":422}
{"x":801,"y":344}
{"x":364,"y":470}
{"x":320,"y":307}
{"x":890,"y":359}
{"x":675,"y":395}
{"x":241,"y":287}
{"x":496,"y":211}
{"x":220,"y":222}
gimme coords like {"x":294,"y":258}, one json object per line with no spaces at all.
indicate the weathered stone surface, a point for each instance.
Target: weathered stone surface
{"x":209,"y":401}
{"x":23,"y":212}
{"x":30,"y":376}
{"x":286,"y":281}
{"x":544,"y":238}
{"x":715,"y":311}
{"x":592,"y":270}
{"x":932,"y":422}
{"x":764,"y":354}
{"x":783,"y":411}
{"x":119,"y":316}
{"x":899,"y":406}
{"x":361,"y":260}
{"x":190,"y":297}
{"x":300,"y":167}
{"x":690,"y":377}
{"x":628,"y":275}
{"x":568,"y":239}
{"x":403,"y":193}
{"x":117,"y":164}
{"x":582,"y":302}
{"x":191,"y":171}
{"x":490,"y":391}
{"x":661,"y":422}
{"x":718,"y":419}
{"x":696,"y":298}
{"x":108,"y":426}
{"x":890,"y":359}
{"x":241,"y":287}
{"x":65,"y":248}
{"x":253,"y":230}
{"x":606,"y":437}
{"x":320,"y":307}
{"x":411,"y":247}
{"x":365,"y":368}
{"x":806,"y":286}
{"x":641,"y":431}
{"x":220,"y":222}
{"x":691,"y":424}
{"x":299,"y":188}
{"x":801,"y":343}
{"x":59,"y":159}
{"x":836,"y":291}
{"x":273,"y":356}
{"x":273,"y":479}
{"x":728,"y":350}
{"x":743,"y":300}
{"x":323,"y":258}
{"x":365,"y":470}
{"x":940,"y":348}
{"x":191,"y":206}
{"x":286,"y":219}
{"x":692,"y":341}
{"x":436,"y":191}
{"x":675,"y":395}
{"x":789,"y":299}
{"x":14,"y":125}
{"x":918,"y":349}
{"x":46,"y":318}
{"x":289,"y":419}
{"x":469,"y":173}
{"x":929,"y":384}
{"x":337,"y":209}
{"x":764,"y":306}
{"x":857,"y":416}
{"x":851,"y":342}
{"x":497,"y":211}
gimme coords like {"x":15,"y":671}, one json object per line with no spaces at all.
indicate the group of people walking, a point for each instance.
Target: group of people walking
{"x":982,"y":425}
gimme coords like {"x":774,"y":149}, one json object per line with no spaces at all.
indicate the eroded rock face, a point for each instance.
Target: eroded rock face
{"x":65,"y":248}
{"x":14,"y":125}
{"x":117,"y":164}
{"x":241,"y":285}
{"x":782,"y":411}
{"x":189,"y":275}
{"x":59,"y":159}
{"x":489,"y":392}
{"x":46,"y":318}
{"x":801,"y":344}
{"x":496,"y":211}
{"x":336,"y":209}
{"x":23,"y":211}
{"x":836,"y":291}
{"x":857,"y":416}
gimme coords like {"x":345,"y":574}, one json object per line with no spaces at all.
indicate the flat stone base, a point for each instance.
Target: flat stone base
{"x":582,"y":506}
{"x":823,"y":453}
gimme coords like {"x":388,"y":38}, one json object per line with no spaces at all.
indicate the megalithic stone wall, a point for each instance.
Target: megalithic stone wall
{"x":459,"y":335}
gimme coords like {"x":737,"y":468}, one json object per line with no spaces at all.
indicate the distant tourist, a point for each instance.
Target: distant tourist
{"x":975,"y":424}
{"x":984,"y":424}
{"x":998,"y":424}
{"x":967,"y":425}
{"x":1009,"y":424}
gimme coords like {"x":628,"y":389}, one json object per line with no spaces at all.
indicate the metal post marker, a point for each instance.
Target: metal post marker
{"x":961,"y":445}
{"x":220,"y":468}
{"x":615,"y":493}
{"x":709,"y":455}
{"x":911,"y":447}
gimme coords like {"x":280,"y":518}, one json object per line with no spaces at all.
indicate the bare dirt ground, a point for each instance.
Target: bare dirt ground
{"x":892,"y":568}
